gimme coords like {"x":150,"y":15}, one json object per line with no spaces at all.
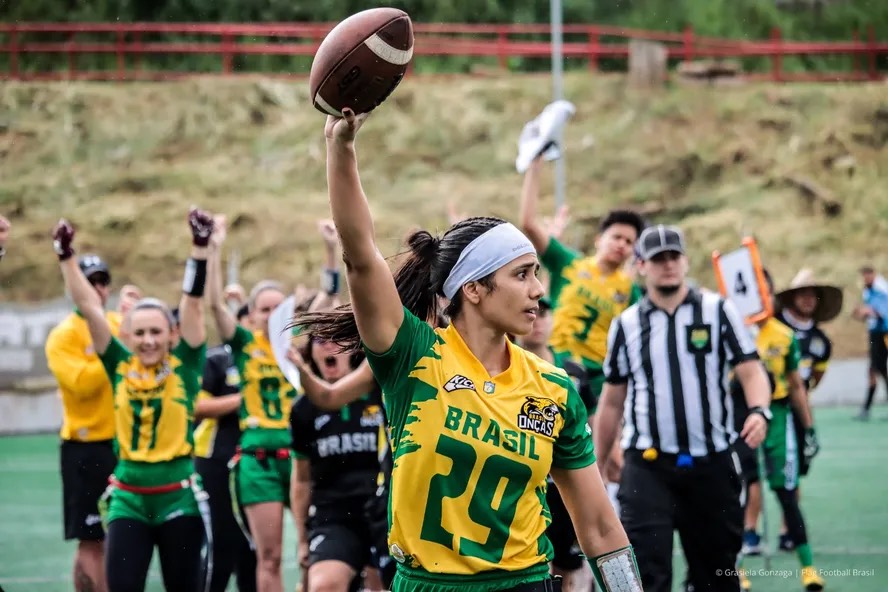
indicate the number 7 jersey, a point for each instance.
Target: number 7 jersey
{"x":472,"y":452}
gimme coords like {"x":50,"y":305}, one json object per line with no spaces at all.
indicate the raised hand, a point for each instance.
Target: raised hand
{"x":557,"y":224}
{"x":220,"y":230}
{"x":328,"y":232}
{"x":344,"y":129}
{"x":201,"y":224}
{"x":63,"y":239}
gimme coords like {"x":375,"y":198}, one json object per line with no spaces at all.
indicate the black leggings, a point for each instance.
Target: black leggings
{"x":792,"y":513}
{"x":129,"y":545}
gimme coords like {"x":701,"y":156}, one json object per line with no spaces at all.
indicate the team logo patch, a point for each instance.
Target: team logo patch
{"x":489,"y":387}
{"x":372,"y":416}
{"x":538,"y":415}
{"x":232,"y":376}
{"x":817,"y":347}
{"x":620,"y":297}
{"x":459,"y":382}
{"x":699,"y":338}
{"x":772,"y":352}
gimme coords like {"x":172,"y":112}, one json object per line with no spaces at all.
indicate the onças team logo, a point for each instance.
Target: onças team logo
{"x":538,"y":415}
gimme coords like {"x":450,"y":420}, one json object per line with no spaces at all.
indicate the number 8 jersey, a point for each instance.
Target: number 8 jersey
{"x":472,"y":452}
{"x":266,"y":395}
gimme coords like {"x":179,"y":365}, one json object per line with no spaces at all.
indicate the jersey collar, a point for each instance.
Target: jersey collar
{"x":504,"y":381}
{"x":796,"y":323}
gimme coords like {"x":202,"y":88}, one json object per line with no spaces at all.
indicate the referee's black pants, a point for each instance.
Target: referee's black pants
{"x":702,"y":502}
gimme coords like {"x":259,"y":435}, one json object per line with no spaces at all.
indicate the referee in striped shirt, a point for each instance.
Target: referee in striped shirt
{"x":666,"y":371}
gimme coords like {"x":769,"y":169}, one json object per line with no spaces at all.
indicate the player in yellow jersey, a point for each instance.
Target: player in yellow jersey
{"x":154,"y":495}
{"x":587,"y":292}
{"x":262,"y":477}
{"x":87,"y":453}
{"x":477,"y":423}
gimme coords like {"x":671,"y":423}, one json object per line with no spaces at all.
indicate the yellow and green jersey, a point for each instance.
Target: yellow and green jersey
{"x":471,"y":453}
{"x":585,"y":302}
{"x":266,"y":395}
{"x":779,"y":351}
{"x":153,"y":411}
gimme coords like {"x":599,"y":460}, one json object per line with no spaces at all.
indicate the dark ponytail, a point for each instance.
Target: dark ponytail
{"x":419,"y":280}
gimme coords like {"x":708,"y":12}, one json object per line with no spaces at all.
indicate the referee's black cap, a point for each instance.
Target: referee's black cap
{"x":660,"y":239}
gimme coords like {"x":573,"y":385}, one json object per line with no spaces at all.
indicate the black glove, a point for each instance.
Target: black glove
{"x":201,"y":223}
{"x":62,"y":239}
{"x":812,"y":446}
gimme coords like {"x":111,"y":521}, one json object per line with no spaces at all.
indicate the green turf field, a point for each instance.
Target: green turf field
{"x":845,"y":501}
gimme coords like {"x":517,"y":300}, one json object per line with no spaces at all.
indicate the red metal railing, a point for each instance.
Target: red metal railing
{"x":227,"y":41}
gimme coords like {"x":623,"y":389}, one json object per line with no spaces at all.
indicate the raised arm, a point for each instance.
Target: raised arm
{"x":328,"y":298}
{"x":331,"y":397}
{"x":225,"y":321}
{"x":530,"y":197}
{"x":191,"y":311}
{"x":377,"y":306}
{"x":82,"y":293}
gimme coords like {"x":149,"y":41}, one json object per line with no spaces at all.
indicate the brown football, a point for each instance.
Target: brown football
{"x":361,"y":61}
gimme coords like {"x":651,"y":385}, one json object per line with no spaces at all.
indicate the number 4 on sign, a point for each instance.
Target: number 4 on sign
{"x":741,"y":278}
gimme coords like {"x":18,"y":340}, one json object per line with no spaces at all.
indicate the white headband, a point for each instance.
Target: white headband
{"x":498,"y":246}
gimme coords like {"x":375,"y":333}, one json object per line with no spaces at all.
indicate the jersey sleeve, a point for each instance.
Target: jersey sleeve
{"x":301,"y":428}
{"x":555,"y":258}
{"x":77,"y":373}
{"x":193,"y":360}
{"x":736,"y":341}
{"x":392,"y":368}
{"x":635,"y":294}
{"x":821,"y":362}
{"x":113,"y":356}
{"x":573,"y":447}
{"x":793,"y":356}
{"x":240,"y":339}
{"x":616,"y":362}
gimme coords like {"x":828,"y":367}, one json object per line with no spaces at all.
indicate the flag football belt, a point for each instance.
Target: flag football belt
{"x":261,"y":454}
{"x":152,"y":490}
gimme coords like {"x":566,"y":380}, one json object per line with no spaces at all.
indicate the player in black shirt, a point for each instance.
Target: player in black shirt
{"x":341,"y":469}
{"x":215,"y":440}
{"x":802,"y":307}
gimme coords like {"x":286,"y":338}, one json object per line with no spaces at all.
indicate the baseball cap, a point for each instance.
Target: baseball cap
{"x":92,"y":264}
{"x":660,"y":239}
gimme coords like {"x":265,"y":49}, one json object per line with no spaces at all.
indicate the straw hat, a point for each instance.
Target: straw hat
{"x":829,"y":298}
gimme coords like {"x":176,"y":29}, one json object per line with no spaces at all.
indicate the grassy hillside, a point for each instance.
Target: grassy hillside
{"x":125,"y":161}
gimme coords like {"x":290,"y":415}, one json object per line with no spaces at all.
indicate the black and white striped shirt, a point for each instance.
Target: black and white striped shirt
{"x":676,"y":369}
